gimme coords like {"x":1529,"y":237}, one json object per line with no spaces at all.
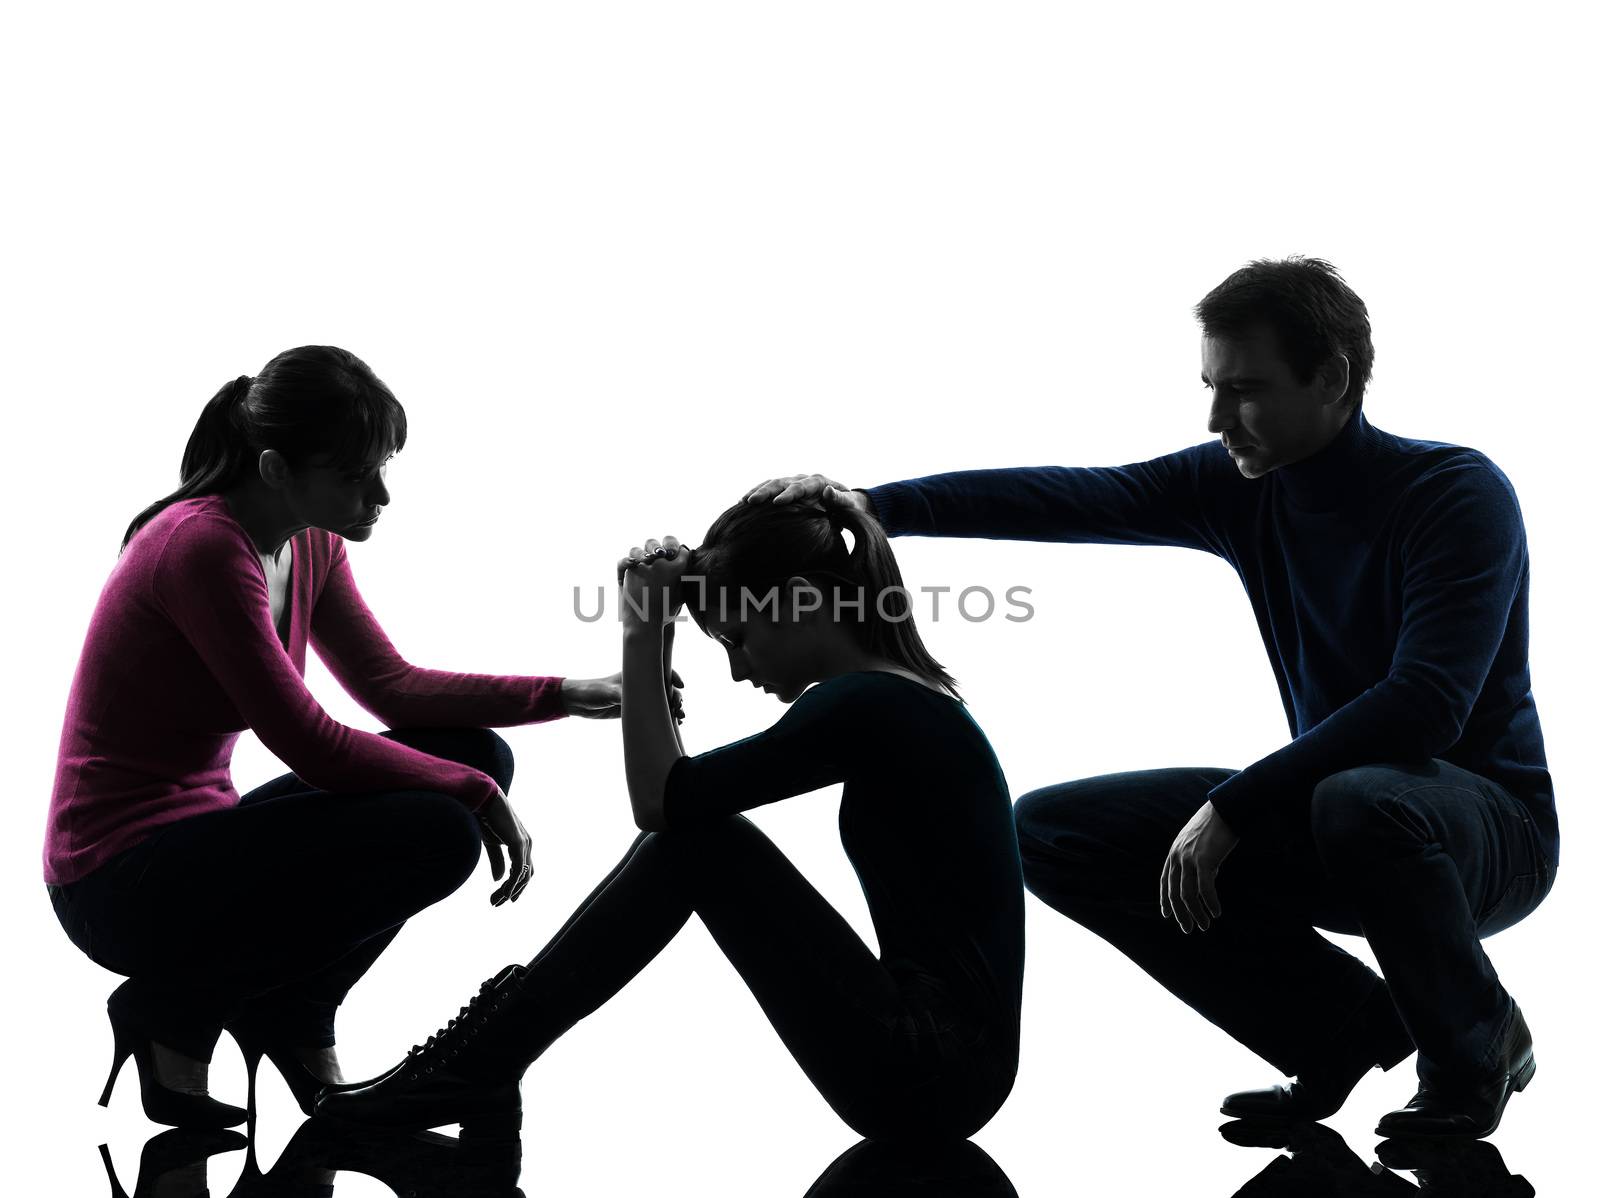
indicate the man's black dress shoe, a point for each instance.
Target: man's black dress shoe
{"x":1312,"y":1096}
{"x":1316,"y":1093}
{"x":1471,"y":1109}
{"x":1374,"y":1038}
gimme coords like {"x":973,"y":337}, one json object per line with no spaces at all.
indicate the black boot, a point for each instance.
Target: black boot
{"x":417,"y":1164}
{"x":1444,"y":1106}
{"x":467,"y":1072}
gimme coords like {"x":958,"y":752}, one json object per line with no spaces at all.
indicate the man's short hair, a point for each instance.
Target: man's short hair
{"x":1308,"y":305}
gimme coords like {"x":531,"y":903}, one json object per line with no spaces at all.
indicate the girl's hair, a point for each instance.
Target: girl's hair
{"x":316,"y":399}
{"x":752,"y":548}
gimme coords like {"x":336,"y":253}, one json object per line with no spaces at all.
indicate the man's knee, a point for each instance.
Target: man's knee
{"x":1046,"y":817}
{"x":1357,"y":813}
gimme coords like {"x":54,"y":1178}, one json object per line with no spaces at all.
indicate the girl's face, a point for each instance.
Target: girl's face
{"x":346,"y":500}
{"x":771,"y":649}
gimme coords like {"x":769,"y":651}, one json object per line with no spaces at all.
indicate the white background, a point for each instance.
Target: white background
{"x":621,"y":262}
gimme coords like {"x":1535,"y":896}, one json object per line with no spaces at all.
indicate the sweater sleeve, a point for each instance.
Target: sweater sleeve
{"x":1157,"y":502}
{"x":208,"y":584}
{"x":814,"y":745}
{"x":350,"y":641}
{"x":1464,"y":557}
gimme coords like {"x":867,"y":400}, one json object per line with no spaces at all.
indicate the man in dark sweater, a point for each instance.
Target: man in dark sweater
{"x":1389,"y":579}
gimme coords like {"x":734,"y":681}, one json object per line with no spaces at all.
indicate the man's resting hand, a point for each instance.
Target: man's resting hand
{"x":810,"y":488}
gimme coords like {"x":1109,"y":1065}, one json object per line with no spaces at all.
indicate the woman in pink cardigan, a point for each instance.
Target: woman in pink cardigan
{"x":258,"y":913}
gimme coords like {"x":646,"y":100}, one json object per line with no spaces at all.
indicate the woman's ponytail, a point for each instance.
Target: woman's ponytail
{"x":887,"y":626}
{"x":213,"y":457}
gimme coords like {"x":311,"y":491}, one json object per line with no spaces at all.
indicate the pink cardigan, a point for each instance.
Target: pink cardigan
{"x":181,"y":657}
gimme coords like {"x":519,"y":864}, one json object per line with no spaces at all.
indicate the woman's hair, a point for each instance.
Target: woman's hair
{"x":752,"y":548}
{"x":316,"y":399}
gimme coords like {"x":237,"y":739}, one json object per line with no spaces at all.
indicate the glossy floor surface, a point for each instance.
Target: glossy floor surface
{"x":610,"y":1111}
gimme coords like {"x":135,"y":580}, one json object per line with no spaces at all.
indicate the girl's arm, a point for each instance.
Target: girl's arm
{"x":650,"y":582}
{"x":670,"y":681}
{"x":650,"y":746}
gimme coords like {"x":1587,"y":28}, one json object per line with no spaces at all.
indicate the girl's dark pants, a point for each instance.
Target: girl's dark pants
{"x":893,"y":1060}
{"x":270,"y":911}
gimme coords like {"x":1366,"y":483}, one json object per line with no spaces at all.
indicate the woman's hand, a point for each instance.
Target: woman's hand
{"x":651,"y":579}
{"x":601,"y":698}
{"x":1189,"y":876}
{"x":503,"y":833}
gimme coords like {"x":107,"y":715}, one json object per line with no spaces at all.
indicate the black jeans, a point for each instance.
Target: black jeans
{"x":1422,"y":860}
{"x":892,"y":1060}
{"x":270,"y":911}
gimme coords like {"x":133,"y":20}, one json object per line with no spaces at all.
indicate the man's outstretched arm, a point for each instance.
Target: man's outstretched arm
{"x":1164,"y":501}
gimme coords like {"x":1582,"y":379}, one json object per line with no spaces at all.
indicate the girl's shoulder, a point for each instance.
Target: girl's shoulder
{"x":884,"y":691}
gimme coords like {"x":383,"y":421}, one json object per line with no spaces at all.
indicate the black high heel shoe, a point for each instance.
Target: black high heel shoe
{"x":196,"y":1111}
{"x":167,"y":1153}
{"x":297,"y":1174}
{"x":253,"y":1045}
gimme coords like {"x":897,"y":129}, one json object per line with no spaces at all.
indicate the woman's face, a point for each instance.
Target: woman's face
{"x":346,"y":500}
{"x":771,"y":650}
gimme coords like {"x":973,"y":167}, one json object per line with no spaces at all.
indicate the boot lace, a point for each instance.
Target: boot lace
{"x":447,"y":1041}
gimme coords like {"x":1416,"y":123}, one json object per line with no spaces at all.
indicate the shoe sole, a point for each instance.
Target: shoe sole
{"x":1277,"y":1118}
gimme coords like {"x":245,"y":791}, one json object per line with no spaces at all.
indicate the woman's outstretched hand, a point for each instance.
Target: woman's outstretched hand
{"x":504,"y":834}
{"x":601,"y":698}
{"x":651,"y":579}
{"x":809,"y":488}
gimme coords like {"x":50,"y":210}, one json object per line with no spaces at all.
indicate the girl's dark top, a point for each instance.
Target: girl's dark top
{"x":1389,"y":578}
{"x":925,"y":818}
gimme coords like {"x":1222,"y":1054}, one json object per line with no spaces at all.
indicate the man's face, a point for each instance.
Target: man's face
{"x":1263,"y":414}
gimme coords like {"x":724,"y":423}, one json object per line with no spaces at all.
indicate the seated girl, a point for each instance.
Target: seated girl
{"x":917,"y":1043}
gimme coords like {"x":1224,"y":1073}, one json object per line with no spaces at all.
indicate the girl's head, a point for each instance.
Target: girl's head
{"x":789,"y":597}
{"x":316,"y":425}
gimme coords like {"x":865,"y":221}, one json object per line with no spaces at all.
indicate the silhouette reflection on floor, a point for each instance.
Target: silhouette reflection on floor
{"x":426,"y":1165}
{"x":1313,"y":1161}
{"x":1320,"y":1165}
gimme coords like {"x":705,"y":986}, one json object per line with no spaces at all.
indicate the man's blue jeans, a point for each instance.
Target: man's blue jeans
{"x":1423,"y":860}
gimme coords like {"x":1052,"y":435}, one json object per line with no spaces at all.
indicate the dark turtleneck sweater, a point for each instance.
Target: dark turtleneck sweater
{"x":1389,"y":579}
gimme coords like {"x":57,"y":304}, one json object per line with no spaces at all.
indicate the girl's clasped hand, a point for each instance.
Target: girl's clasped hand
{"x":651,"y":579}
